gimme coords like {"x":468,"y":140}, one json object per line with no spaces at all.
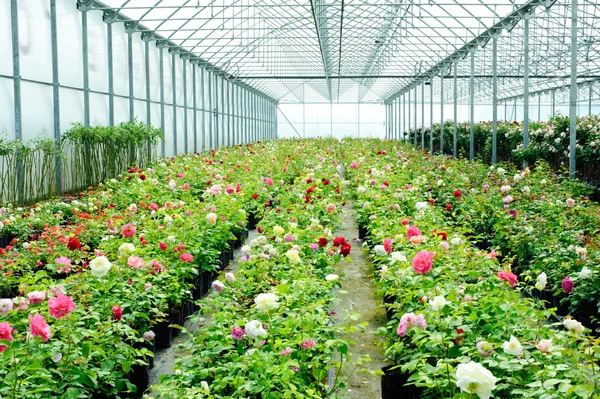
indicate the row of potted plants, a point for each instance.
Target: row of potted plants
{"x":96,"y":280}
{"x":84,"y":157}
{"x":269,"y":332}
{"x":548,"y":141}
{"x":460,"y":322}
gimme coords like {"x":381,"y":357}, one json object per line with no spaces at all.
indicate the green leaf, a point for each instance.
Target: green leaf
{"x":126,"y":366}
{"x":85,"y":349}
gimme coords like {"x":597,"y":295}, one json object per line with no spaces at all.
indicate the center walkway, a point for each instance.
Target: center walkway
{"x":360,"y":297}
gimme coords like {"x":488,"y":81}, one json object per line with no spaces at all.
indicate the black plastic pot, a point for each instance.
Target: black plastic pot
{"x":362,"y":232}
{"x":140,"y":377}
{"x":6,"y":239}
{"x":393,"y":385}
{"x":163,"y":335}
{"x":389,"y":310}
{"x":206,"y":282}
{"x":176,"y":317}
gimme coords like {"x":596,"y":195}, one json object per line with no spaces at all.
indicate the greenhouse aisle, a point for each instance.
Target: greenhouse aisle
{"x":165,"y":359}
{"x":360,"y":298}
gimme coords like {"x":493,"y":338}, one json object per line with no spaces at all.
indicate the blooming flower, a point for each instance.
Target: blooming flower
{"x":331,"y":277}
{"x":512,"y":347}
{"x":398,"y":257}
{"x":402,"y":329}
{"x":128,"y":230}
{"x":570,"y":202}
{"x":60,"y":305}
{"x":6,"y":305}
{"x":100,"y":266}
{"x":149,"y":335}
{"x":136,"y":262}
{"x":211,"y":218}
{"x":541,"y":281}
{"x":254,"y":329}
{"x":286,"y":351}
{"x":387,"y":245}
{"x":117,"y":313}
{"x":412,"y":231}
{"x":217,"y":286}
{"x":5,"y":334}
{"x":380,"y":250}
{"x":126,"y":249}
{"x":438,"y":303}
{"x":323,"y":241}
{"x":422,"y":262}
{"x":278,"y":230}
{"x":508,"y":276}
{"x":230,"y":278}
{"x":21,"y":303}
{"x":567,"y":285}
{"x":66,"y":262}
{"x":421,"y":206}
{"x":585,"y":272}
{"x":484,"y":348}
{"x":266,"y":302}
{"x":308,"y":344}
{"x":573,"y":325}
{"x":186,"y":257}
{"x":545,"y":345}
{"x":237,"y":333}
{"x":474,"y":378}
{"x":36,"y":297}
{"x":293,"y":256}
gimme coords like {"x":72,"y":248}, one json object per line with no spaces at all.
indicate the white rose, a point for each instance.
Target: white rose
{"x":211,"y":218}
{"x":100,"y":266}
{"x":501,"y":171}
{"x":380,"y":250}
{"x":517,"y":177}
{"x":526,"y":190}
{"x":541,"y":281}
{"x":205,"y":388}
{"x":168,"y":219}
{"x":585,"y":272}
{"x":278,"y":230}
{"x":455,"y":241}
{"x":438,"y":303}
{"x":512,"y":347}
{"x":126,"y":249}
{"x":421,"y":206}
{"x":331,"y":277}
{"x":474,"y":378}
{"x":398,"y":257}
{"x":266,"y":302}
{"x":254,"y":329}
{"x":573,"y":325}
{"x":543,"y":181}
{"x":230,"y":278}
{"x":362,"y":190}
{"x":293,"y":256}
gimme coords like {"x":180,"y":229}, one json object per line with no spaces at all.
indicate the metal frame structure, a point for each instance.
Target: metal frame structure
{"x":252,"y":55}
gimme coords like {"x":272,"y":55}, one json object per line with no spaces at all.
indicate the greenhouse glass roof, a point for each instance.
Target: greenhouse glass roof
{"x":381,"y":47}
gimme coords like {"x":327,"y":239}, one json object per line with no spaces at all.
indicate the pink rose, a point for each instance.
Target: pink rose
{"x":387,"y":245}
{"x":567,"y":285}
{"x":39,"y":327}
{"x":128,"y":230}
{"x":508,"y":276}
{"x":402,"y":329}
{"x":60,"y":305}
{"x":136,"y":262}
{"x":412,"y":231}
{"x":186,"y":257}
{"x":36,"y":297}
{"x":5,"y":334}
{"x":422,"y":262}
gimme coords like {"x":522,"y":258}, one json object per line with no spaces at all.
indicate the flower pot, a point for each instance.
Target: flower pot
{"x":175,"y":318}
{"x":206,"y":282}
{"x":362,"y":232}
{"x":393,"y":385}
{"x":151,"y":345}
{"x":140,"y":377}
{"x":224,"y":259}
{"x":389,"y":310}
{"x":163,"y":335}
{"x":6,"y":239}
{"x":252,"y":221}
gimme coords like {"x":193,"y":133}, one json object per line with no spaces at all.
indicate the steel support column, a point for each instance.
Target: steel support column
{"x":108,"y":17}
{"x":416,"y":104}
{"x":86,"y":65}
{"x":174,"y":86}
{"x":494,"y":96}
{"x":203,"y":102}
{"x":525,"y":84}
{"x":423,"y":116}
{"x":591,"y":93}
{"x":129,"y":28}
{"x":161,"y":46}
{"x":573,"y":91}
{"x":195,"y":106}
{"x":472,"y":106}
{"x":185,"y":108}
{"x":455,"y":131}
{"x":442,"y":113}
{"x":55,"y":94}
{"x":148,"y":100}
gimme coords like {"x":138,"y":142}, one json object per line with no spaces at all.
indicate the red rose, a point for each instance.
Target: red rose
{"x":117,"y":313}
{"x":457,"y":194}
{"x":74,"y":244}
{"x":448,"y":207}
{"x":345,"y":250}
{"x":254,"y":196}
{"x":339,"y":241}
{"x":323,"y":241}
{"x":326,"y":182}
